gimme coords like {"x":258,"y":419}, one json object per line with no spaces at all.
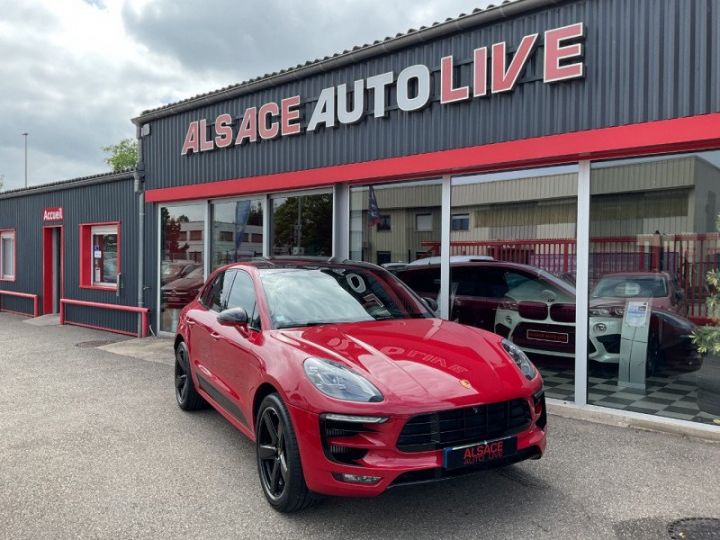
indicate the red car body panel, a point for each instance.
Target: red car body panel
{"x":419,"y":365}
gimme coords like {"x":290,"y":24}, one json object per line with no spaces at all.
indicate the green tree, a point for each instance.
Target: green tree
{"x":304,"y":221}
{"x":707,"y":338}
{"x":123,"y":155}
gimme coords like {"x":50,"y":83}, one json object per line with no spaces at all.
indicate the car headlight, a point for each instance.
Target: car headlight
{"x":338,"y":382}
{"x":613,"y":311}
{"x":520,"y":358}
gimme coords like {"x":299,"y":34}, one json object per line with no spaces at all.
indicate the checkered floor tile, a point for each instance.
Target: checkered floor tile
{"x":668,"y":394}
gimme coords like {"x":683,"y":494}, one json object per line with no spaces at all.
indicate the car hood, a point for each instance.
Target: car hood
{"x":618,"y":301}
{"x":184,"y":284}
{"x":418,"y":361}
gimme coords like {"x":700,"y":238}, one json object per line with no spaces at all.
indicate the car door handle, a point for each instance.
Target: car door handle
{"x":191,"y":323}
{"x":214,"y":335}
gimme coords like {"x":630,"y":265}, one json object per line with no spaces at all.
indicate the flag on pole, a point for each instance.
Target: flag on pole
{"x":373,"y":208}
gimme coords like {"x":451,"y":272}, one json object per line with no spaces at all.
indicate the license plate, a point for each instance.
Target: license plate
{"x":552,"y":337}
{"x":479,"y":453}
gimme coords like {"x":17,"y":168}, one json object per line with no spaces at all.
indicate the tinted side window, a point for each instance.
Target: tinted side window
{"x":242,"y":295}
{"x":490,"y":283}
{"x":426,"y":280}
{"x":215,"y":297}
{"x":464,"y":281}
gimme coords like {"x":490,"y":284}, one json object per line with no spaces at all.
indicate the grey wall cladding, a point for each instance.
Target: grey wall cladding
{"x":645,"y":60}
{"x":111,"y":201}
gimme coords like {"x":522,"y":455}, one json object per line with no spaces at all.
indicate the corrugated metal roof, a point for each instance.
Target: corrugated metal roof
{"x":102,"y":178}
{"x":381,"y":46}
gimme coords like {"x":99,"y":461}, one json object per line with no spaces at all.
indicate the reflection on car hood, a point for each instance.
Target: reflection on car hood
{"x":619,"y":301}
{"x":418,"y":360}
{"x":184,"y":284}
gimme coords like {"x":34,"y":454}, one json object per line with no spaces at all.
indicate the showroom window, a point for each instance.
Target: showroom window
{"x":182,"y":263}
{"x":99,"y":255}
{"x":238,"y":229}
{"x":653,"y":241}
{"x":406,"y":205}
{"x":7,"y":255}
{"x":301,"y":224}
{"x":513,"y":272}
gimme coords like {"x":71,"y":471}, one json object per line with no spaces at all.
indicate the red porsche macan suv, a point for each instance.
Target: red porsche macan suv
{"x":347,"y":383}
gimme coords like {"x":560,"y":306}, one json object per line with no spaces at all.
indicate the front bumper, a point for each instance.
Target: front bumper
{"x":604,"y":334}
{"x":537,"y":337}
{"x":382,"y":458}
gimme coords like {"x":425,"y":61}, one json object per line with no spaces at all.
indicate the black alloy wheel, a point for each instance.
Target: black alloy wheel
{"x":272,"y":453}
{"x":187,"y":397}
{"x":278,"y":458}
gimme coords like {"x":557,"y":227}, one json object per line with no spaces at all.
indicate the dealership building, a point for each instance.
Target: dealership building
{"x":576,"y":139}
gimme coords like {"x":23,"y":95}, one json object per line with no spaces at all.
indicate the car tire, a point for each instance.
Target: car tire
{"x":278,"y":458}
{"x":185,"y":393}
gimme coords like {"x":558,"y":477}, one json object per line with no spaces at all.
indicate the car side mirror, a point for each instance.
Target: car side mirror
{"x":431,"y":303}
{"x":236,"y":317}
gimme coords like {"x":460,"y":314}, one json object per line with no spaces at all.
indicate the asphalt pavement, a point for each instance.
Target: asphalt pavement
{"x":92,"y":445}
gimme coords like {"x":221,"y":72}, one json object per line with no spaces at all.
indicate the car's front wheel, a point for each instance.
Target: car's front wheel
{"x":187,"y":397}
{"x":278,"y":458}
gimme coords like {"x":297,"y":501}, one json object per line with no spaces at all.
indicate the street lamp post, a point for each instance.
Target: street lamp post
{"x":26,"y":136}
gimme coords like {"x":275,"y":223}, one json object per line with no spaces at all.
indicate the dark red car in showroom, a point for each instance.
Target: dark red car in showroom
{"x":347,"y":383}
{"x":176,"y":294}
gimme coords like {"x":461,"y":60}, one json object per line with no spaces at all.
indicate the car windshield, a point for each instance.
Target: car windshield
{"x":197,"y":273}
{"x":169,"y":269}
{"x":630,"y":287}
{"x":312,"y":296}
{"x":538,"y":290}
{"x":544,"y":288}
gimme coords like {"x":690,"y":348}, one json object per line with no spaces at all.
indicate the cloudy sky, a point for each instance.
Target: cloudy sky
{"x":73,"y":72}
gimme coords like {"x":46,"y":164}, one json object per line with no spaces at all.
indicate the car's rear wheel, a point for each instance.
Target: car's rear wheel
{"x":278,"y":458}
{"x":187,"y":397}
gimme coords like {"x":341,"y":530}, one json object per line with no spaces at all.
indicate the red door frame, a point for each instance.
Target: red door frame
{"x":48,"y":267}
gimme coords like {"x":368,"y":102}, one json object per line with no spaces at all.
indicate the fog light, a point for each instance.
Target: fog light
{"x":601,"y":327}
{"x":357,"y":478}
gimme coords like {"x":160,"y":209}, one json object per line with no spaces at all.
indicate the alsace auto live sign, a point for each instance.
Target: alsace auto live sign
{"x":493,"y":73}
{"x":53,"y":214}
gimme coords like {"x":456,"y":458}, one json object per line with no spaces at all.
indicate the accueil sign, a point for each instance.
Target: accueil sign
{"x":494,"y":72}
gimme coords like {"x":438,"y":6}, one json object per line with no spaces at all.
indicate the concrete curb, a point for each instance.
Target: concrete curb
{"x":628,"y":419}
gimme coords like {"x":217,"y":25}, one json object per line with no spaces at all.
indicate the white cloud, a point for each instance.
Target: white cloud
{"x":75,"y":71}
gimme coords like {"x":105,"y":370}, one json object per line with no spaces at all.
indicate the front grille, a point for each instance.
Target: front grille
{"x":537,"y":311}
{"x":463,"y":426}
{"x":564,"y":313}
